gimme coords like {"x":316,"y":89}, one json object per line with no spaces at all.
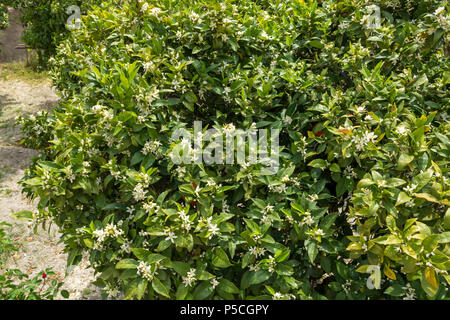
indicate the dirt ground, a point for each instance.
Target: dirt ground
{"x":42,"y":250}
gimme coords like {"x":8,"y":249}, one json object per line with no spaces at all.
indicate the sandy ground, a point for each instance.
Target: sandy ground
{"x":37,"y":251}
{"x":42,"y":250}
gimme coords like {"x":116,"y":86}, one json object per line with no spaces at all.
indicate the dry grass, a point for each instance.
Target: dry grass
{"x":22,"y":70}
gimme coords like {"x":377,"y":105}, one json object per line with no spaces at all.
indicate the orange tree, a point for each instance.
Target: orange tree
{"x":359,"y":207}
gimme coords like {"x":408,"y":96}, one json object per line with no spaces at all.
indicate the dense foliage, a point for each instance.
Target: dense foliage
{"x":46,"y":22}
{"x":363,"y":178}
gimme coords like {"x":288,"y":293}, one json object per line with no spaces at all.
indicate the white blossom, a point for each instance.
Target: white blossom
{"x":171,"y":236}
{"x":190,"y":279}
{"x":138,"y":192}
{"x":151,"y":146}
{"x":214,"y":283}
{"x":145,"y":270}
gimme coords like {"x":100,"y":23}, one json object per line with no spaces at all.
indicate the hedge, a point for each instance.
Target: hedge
{"x":359,"y":208}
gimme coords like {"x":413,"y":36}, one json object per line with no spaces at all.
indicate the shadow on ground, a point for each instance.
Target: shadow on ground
{"x":13,"y":159}
{"x":6,"y":101}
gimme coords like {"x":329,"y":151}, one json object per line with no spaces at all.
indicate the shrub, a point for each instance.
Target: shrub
{"x":363,"y":179}
{"x":45,"y":24}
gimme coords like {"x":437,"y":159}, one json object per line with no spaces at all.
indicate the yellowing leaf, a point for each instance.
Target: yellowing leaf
{"x":318,"y":163}
{"x":354,"y":246}
{"x":363,"y":269}
{"x":345,"y":130}
{"x":426,"y":196}
{"x":389,"y":273}
{"x":430,"y":282}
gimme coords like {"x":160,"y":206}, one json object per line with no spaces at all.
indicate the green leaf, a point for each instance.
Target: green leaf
{"x":354,"y":246}
{"x":284,"y":269}
{"x":23,"y":215}
{"x":220,"y":259}
{"x":114,"y":206}
{"x":89,"y":243}
{"x":341,"y":186}
{"x":137,"y":158}
{"x":328,"y":221}
{"x":363,"y":183}
{"x":404,"y":160}
{"x":132,"y":290}
{"x":312,"y":249}
{"x":159,"y":287}
{"x":444,"y":237}
{"x":203,"y":291}
{"x":180,"y":267}
{"x":254,"y":277}
{"x":168,"y":102}
{"x":335,"y":168}
{"x":282,"y":255}
{"x":182,"y":292}
{"x":163,"y":245}
{"x":247,"y":259}
{"x":65,"y":294}
{"x":316,"y":44}
{"x":443,"y":138}
{"x":402,"y":198}
{"x":228,"y":286}
{"x":447,"y":220}
{"x":426,"y":196}
{"x":395,"y":182}
{"x":140,"y":253}
{"x":203,"y":275}
{"x":184,"y":241}
{"x":335,"y":286}
{"x":127,"y":264}
{"x":363,"y":268}
{"x":395,"y":290}
{"x":342,"y":270}
{"x":390,"y":222}
{"x":107,"y":273}
{"x":187,"y":189}
{"x":140,"y":290}
{"x":318,"y":163}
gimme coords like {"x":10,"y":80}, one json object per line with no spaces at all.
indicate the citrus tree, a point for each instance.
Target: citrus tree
{"x":48,"y":22}
{"x":359,"y":205}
